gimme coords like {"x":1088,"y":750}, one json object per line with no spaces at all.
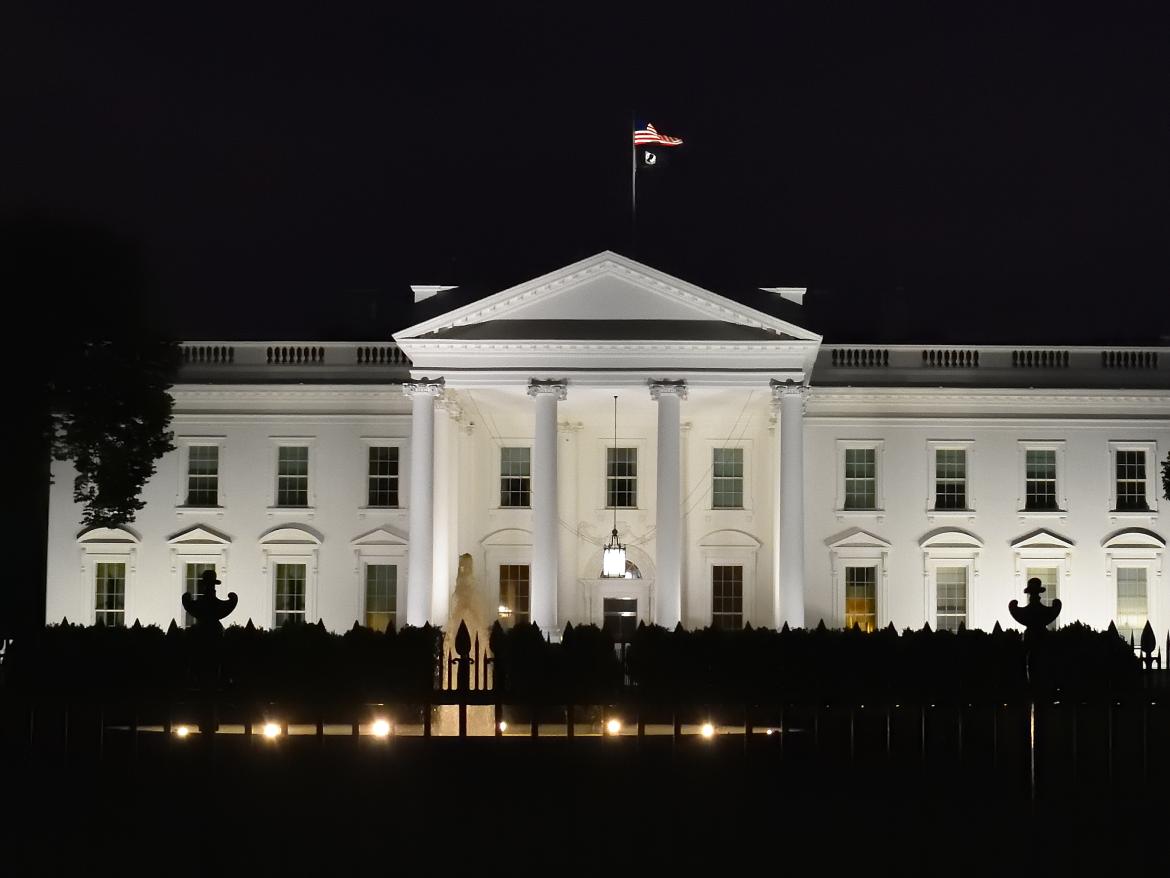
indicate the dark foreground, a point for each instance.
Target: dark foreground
{"x":594,"y":805}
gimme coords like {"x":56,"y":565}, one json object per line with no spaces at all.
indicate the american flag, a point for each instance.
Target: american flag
{"x":649,"y":135}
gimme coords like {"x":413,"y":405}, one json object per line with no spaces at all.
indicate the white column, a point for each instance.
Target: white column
{"x":668,"y":529}
{"x":419,"y":578}
{"x":789,"y":598}
{"x":447,"y":417}
{"x":569,"y":608}
{"x":542,"y":603}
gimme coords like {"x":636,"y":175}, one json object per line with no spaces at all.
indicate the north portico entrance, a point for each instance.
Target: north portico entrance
{"x":531,"y":373}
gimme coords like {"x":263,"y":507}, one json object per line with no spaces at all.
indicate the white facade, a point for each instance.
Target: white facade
{"x":760,"y":470}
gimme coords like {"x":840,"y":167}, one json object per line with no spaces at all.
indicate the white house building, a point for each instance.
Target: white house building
{"x":757,"y":474}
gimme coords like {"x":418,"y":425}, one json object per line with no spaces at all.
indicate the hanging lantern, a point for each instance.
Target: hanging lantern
{"x":613,"y":555}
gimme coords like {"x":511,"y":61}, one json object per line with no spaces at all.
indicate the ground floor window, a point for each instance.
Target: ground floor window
{"x":1049,"y":578}
{"x":619,"y":616}
{"x":951,"y":591}
{"x":381,"y":596}
{"x":192,"y":573}
{"x":861,"y":597}
{"x":727,"y":596}
{"x":1133,"y":607}
{"x":290,"y":593}
{"x":110,"y":593}
{"x":514,"y":581}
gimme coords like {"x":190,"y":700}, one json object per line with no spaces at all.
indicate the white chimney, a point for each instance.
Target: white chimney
{"x":792,"y":294}
{"x":422,"y":291}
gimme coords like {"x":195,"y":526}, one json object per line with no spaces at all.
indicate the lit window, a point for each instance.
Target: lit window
{"x":1133,"y":608}
{"x":860,"y":478}
{"x":951,"y":590}
{"x":950,"y":478}
{"x":383,"y":476}
{"x":381,"y":596}
{"x":727,"y":596}
{"x":513,"y":594}
{"x":516,"y":477}
{"x":292,"y":475}
{"x":290,"y":593}
{"x":110,"y":593}
{"x":192,"y":573}
{"x":620,"y":618}
{"x":621,"y":478}
{"x":727,"y":479}
{"x":1049,"y":578}
{"x":861,"y":597}
{"x":1040,"y":479}
{"x":203,"y":475}
{"x":1131,"y":481}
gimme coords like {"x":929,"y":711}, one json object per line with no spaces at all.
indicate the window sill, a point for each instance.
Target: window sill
{"x":1138,"y":514}
{"x":199,"y":510}
{"x":1024,"y":514}
{"x":363,"y":511}
{"x":876,"y":514}
{"x":292,"y":510}
{"x":932,"y":514}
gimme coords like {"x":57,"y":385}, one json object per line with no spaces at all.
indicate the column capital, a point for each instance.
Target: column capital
{"x":558,"y":387}
{"x":424,"y":386}
{"x":789,"y":388}
{"x":678,"y":388}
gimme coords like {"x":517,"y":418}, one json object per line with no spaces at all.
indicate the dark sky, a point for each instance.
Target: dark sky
{"x":941,"y":173}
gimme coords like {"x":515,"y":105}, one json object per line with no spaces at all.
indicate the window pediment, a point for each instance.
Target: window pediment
{"x":1134,"y":538}
{"x":378,"y":537}
{"x":199,"y":535}
{"x":950,"y":539}
{"x":508,"y":536}
{"x":856,"y":538}
{"x":1042,"y":539}
{"x":729,"y":538}
{"x":290,"y":536}
{"x":108,"y":536}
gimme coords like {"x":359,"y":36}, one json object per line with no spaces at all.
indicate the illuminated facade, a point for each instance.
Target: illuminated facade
{"x":758,"y":475}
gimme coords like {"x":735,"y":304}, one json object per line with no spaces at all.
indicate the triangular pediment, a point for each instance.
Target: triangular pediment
{"x":856,"y":538}
{"x":379,"y":537}
{"x":606,"y":290}
{"x":198,"y":535}
{"x":1042,"y":539}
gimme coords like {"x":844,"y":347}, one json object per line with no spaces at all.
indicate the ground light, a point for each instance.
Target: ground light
{"x":182,"y":731}
{"x":707,"y":730}
{"x":271,"y":731}
{"x":614,"y":727}
{"x":503,"y":726}
{"x":380,"y":728}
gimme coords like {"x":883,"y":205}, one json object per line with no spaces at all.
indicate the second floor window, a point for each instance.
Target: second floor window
{"x":1040,"y":479}
{"x":621,"y":478}
{"x":1131,"y":481}
{"x":727,"y":479}
{"x":950,"y":478}
{"x":516,"y":477}
{"x":860,"y":478}
{"x":383,"y":476}
{"x":203,"y":475}
{"x":292,"y":475}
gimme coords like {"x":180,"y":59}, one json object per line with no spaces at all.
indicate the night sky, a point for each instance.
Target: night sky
{"x":947,"y":173}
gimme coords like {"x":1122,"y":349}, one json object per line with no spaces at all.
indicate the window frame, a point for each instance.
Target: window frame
{"x":184,"y":445}
{"x":1153,"y":479}
{"x":1058,"y":446}
{"x":1046,"y":549}
{"x":196,"y":545}
{"x":1138,"y":548}
{"x":114,"y":545}
{"x":380,"y":546}
{"x":290,"y":545}
{"x":371,"y":442}
{"x":498,"y":568}
{"x":878,"y":512}
{"x":375,"y":562}
{"x":860,"y":549}
{"x":743,"y":591}
{"x":933,"y":446}
{"x":642,"y":484}
{"x":499,"y":484}
{"x":951,"y":548}
{"x":309,"y":443}
{"x":744,"y":447}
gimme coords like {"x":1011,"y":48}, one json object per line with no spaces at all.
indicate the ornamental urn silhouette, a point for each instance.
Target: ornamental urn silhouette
{"x":207,"y":610}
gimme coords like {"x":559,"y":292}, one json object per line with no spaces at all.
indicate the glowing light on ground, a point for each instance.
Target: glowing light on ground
{"x":182,"y":731}
{"x":503,"y":726}
{"x":707,"y":730}
{"x":613,"y":727}
{"x":271,"y":730}
{"x":380,"y":728}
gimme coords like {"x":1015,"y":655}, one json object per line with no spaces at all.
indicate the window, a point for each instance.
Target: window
{"x":203,"y":475}
{"x":951,"y":598}
{"x":292,"y":475}
{"x":1049,"y":578}
{"x":861,"y":597}
{"x":516,"y":477}
{"x":950,"y":478}
{"x":621,"y":478}
{"x":620,"y":618}
{"x":1133,"y":607}
{"x":513,"y":594}
{"x":192,"y":573}
{"x":727,"y":478}
{"x":859,"y":477}
{"x":383,"y":476}
{"x":1040,"y":479}
{"x":290,"y":593}
{"x":1133,"y":484}
{"x":381,"y":596}
{"x":727,"y":596}
{"x":110,"y":593}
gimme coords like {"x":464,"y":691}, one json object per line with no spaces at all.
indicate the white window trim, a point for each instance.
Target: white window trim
{"x":950,"y":549}
{"x":278,"y":442}
{"x":1022,"y":449}
{"x":860,"y":549}
{"x":1139,"y":549}
{"x":381,"y":547}
{"x":744,"y":445}
{"x":184,"y":444}
{"x":726,"y":556}
{"x":197,"y":545}
{"x":1046,"y":549}
{"x":115,"y":545}
{"x":933,"y":446}
{"x":497,"y":448}
{"x":1153,"y":480}
{"x":290,"y":545}
{"x":498,"y":556}
{"x":603,"y":477}
{"x":369,"y":442}
{"x":878,"y":513}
